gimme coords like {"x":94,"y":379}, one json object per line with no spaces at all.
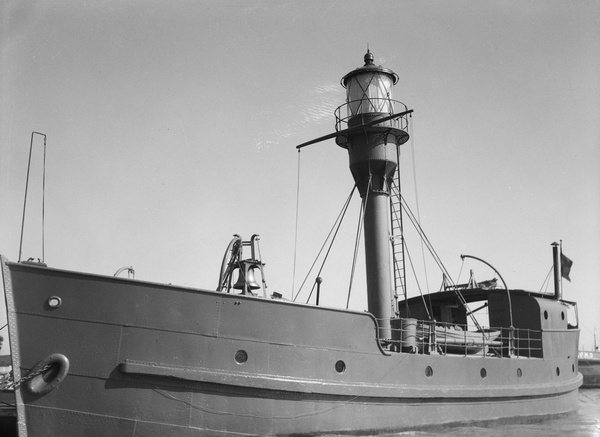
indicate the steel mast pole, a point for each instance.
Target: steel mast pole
{"x":372,"y":152}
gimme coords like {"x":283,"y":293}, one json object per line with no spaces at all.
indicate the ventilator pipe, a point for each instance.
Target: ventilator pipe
{"x":557,"y":271}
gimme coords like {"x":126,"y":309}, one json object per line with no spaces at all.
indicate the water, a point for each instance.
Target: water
{"x":583,"y":423}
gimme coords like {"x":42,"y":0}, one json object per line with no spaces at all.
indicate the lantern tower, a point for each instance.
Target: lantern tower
{"x":373,"y":155}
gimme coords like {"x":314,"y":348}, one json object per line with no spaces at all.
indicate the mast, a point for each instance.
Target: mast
{"x":373,"y":157}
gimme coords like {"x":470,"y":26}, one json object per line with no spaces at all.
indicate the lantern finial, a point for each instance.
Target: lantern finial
{"x":369,"y":58}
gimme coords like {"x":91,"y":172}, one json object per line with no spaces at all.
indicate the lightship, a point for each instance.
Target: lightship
{"x":103,"y":355}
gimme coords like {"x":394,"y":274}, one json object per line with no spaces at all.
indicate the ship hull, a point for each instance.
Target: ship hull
{"x":152,"y":359}
{"x":295,"y":417}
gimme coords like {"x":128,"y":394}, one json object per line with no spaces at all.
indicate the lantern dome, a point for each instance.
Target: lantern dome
{"x":371,"y":68}
{"x":369,"y":88}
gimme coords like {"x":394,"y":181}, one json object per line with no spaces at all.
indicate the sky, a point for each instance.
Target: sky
{"x":171,"y":126}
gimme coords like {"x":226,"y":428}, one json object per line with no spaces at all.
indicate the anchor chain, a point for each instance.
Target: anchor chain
{"x":14,"y":385}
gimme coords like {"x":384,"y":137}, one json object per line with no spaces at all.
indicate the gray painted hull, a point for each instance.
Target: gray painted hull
{"x":151,"y":359}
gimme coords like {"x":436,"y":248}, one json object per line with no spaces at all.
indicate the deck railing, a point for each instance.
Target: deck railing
{"x":431,"y":337}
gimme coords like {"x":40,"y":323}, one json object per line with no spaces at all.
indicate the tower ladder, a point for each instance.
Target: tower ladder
{"x":397,"y":237}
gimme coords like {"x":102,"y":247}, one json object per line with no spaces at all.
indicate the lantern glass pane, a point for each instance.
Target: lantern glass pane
{"x":369,"y":92}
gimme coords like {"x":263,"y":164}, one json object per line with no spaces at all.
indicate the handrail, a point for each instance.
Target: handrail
{"x":431,"y":337}
{"x":355,"y":129}
{"x":399,"y":122}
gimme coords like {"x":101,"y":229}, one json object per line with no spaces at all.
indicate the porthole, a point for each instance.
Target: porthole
{"x":428,"y":371}
{"x":483,"y":372}
{"x":546,"y":315}
{"x":241,"y":357}
{"x":557,"y":371}
{"x":519,"y":373}
{"x":562,"y":315}
{"x":54,"y":302}
{"x":340,"y":366}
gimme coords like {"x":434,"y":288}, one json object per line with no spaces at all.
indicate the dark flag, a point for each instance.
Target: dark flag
{"x":565,"y":267}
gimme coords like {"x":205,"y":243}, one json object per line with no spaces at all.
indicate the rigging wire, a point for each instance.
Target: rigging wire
{"x":424,"y":239}
{"x":462,"y":264}
{"x":44,"y":204}
{"x":412,"y":150}
{"x":296,"y":226}
{"x":357,"y":240}
{"x":43,"y":196}
{"x":262,"y":271}
{"x":337,"y":223}
{"x":437,"y":259}
{"x":412,"y":266}
{"x":546,"y":281}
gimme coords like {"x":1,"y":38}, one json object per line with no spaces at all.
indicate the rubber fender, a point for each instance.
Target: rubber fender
{"x":51,"y":378}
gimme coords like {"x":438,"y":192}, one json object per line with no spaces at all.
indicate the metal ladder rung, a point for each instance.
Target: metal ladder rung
{"x":397,"y":238}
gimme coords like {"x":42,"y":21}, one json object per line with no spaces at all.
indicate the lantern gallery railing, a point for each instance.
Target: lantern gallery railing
{"x":430,"y":337}
{"x":358,"y":112}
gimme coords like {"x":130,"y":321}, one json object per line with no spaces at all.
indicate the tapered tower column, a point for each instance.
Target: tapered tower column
{"x":372,"y":152}
{"x":379,"y":282}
